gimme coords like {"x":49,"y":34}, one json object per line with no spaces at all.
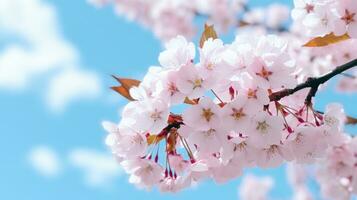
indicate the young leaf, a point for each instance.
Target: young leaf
{"x":126,"y":82}
{"x":209,"y":32}
{"x":191,"y":101}
{"x":326,"y":40}
{"x":125,"y":86}
{"x":123,"y":92}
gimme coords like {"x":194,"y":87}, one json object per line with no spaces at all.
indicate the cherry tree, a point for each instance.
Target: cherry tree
{"x":211,"y":110}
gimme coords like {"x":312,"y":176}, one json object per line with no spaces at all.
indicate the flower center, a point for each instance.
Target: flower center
{"x":197,"y":83}
{"x":348,"y":17}
{"x":137,"y":139}
{"x":309,"y":8}
{"x":209,"y":133}
{"x":237,"y":113}
{"x":210,"y":66}
{"x":207,"y":114}
{"x":264,"y":73}
{"x":240,"y":147}
{"x":273,"y":149}
{"x":148,"y":169}
{"x":172,"y":88}
{"x":156,"y":115}
{"x":347,"y":56}
{"x":331,"y":121}
{"x":252,"y":94}
{"x":262,"y":127}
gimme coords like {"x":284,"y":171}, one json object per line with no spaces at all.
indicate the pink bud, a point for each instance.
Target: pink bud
{"x":301,"y":120}
{"x":290,"y":130}
{"x":231,"y":92}
{"x":317,"y":123}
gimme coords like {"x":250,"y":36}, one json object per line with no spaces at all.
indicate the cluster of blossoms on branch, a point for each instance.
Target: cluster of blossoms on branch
{"x":337,"y":173}
{"x":239,"y":105}
{"x":169,"y":18}
{"x":228,"y":122}
{"x":321,"y":17}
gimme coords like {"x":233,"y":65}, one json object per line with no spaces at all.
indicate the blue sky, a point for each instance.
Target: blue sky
{"x":106,"y":44}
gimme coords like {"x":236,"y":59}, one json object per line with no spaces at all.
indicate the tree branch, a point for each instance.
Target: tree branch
{"x":313,"y":83}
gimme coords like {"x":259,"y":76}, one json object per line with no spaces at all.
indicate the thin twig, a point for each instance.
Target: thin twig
{"x":313,"y":83}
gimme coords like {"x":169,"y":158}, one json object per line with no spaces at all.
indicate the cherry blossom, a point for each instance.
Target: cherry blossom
{"x":322,"y":17}
{"x":265,"y":130}
{"x":144,"y":173}
{"x":228,"y":123}
{"x":178,"y":53}
{"x":212,"y":111}
{"x":204,"y":116}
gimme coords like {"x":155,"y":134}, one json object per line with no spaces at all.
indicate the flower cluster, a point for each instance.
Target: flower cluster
{"x":337,"y":174}
{"x":321,"y":17}
{"x":228,"y":120}
{"x":169,"y":18}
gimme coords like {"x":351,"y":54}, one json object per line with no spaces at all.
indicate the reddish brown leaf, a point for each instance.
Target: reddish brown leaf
{"x":125,"y":86}
{"x":191,"y":101}
{"x":208,"y":32}
{"x":126,"y":82}
{"x":326,"y":40}
{"x":123,"y":92}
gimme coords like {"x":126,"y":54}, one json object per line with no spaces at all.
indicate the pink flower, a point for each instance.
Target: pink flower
{"x":146,"y":116}
{"x":347,"y":13}
{"x":237,"y":114}
{"x":143,"y":173}
{"x":265,"y":130}
{"x":124,"y":142}
{"x":178,"y":53}
{"x":273,"y":156}
{"x":307,"y":144}
{"x":203,"y":116}
{"x":191,"y":83}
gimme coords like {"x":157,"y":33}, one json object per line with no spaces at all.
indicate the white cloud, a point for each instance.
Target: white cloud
{"x":99,"y":168}
{"x":38,"y":48}
{"x":45,"y":161}
{"x":65,"y":87}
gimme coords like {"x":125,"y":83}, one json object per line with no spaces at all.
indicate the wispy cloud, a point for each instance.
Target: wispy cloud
{"x":98,"y":168}
{"x":65,"y":86}
{"x":35,"y":47}
{"x":45,"y":161}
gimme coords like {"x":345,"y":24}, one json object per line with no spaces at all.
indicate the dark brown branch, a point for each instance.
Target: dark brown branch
{"x":351,"y":120}
{"x":313,"y":83}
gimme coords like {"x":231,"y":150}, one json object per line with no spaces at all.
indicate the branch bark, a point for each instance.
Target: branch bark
{"x":313,"y":83}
